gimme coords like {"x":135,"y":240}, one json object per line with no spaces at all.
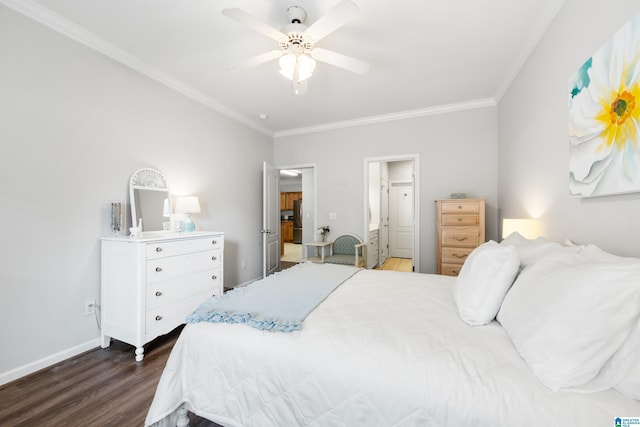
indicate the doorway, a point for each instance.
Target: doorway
{"x":392,"y":210}
{"x":297,"y":211}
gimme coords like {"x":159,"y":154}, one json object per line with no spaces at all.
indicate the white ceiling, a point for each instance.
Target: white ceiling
{"x":425,"y":56}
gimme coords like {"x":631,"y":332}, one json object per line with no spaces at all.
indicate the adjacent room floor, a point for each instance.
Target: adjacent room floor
{"x":292,"y":252}
{"x":397,"y":264}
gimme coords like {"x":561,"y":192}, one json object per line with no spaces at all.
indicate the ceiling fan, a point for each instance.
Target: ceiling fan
{"x":297,"y":51}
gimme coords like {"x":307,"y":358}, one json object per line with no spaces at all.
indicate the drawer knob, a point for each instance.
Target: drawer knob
{"x":459,"y":206}
{"x":213,"y":258}
{"x":158,"y":293}
{"x":158,"y":317}
{"x":460,"y":256}
{"x":460,"y":239}
{"x":158,"y":269}
{"x":213,"y":242}
{"x":158,"y":249}
{"x":214,"y":277}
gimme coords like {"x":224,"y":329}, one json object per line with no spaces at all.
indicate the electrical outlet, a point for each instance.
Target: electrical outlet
{"x":89,"y":307}
{"x":243,"y":264}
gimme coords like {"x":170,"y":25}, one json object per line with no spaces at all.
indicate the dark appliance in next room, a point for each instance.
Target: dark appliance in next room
{"x":297,"y":221}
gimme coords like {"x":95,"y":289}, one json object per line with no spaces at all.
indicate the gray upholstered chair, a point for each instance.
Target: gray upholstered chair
{"x":348,"y":249}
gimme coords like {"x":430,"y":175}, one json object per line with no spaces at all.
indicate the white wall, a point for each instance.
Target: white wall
{"x":400,"y":171}
{"x":458,"y":153}
{"x":534,"y":151}
{"x":290,"y":184}
{"x":75,"y":125}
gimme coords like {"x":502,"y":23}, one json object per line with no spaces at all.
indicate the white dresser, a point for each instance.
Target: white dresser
{"x":149,"y":285}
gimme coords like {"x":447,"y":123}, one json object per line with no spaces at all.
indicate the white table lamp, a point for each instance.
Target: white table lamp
{"x":187,"y":205}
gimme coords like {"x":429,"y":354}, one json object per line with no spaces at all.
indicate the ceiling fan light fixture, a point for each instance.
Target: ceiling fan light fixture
{"x":306,"y":65}
{"x":287,"y":65}
{"x":292,"y":64}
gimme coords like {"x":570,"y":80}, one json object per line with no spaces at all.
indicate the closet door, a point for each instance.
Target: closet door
{"x":401,"y":220}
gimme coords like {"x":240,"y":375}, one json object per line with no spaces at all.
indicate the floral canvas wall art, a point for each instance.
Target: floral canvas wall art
{"x":604,"y":118}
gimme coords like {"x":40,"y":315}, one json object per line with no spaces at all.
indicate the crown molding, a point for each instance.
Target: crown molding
{"x":402,"y":115}
{"x":80,"y":34}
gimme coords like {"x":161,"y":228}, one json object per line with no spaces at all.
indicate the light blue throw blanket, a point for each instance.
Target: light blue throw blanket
{"x":279,"y":302}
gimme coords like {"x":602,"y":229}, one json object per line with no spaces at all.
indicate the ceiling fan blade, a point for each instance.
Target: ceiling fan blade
{"x":256,"y":60}
{"x":243,"y":17}
{"x":339,"y":60}
{"x":341,"y":13}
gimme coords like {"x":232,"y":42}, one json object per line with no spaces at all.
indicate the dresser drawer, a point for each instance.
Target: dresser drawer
{"x":455,"y":255}
{"x":161,"y":269}
{"x":173,"y":290}
{"x":163,"y":319}
{"x":460,"y":237}
{"x":450,"y":269}
{"x":460,"y":207}
{"x":460,"y":219}
{"x":172,"y":248}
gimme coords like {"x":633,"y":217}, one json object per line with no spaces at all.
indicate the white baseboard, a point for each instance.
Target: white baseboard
{"x":45,"y":362}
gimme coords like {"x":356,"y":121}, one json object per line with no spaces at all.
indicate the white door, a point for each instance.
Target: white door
{"x":401,"y":220}
{"x":384,"y":221}
{"x":270,"y":220}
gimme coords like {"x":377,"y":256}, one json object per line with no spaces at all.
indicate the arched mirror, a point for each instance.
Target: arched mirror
{"x":150,"y":201}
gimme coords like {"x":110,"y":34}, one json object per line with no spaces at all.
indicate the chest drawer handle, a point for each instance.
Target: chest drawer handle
{"x":158,"y":293}
{"x":158,"y":249}
{"x":214,"y":277}
{"x":460,"y":256}
{"x":213,"y":258}
{"x":158,"y":317}
{"x":158,"y":269}
{"x":214,"y":242}
{"x":460,"y":239}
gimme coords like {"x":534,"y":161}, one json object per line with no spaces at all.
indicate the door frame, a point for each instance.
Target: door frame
{"x":315,"y":186}
{"x":416,"y":199}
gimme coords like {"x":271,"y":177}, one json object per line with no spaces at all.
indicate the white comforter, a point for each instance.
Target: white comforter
{"x":385,"y":349}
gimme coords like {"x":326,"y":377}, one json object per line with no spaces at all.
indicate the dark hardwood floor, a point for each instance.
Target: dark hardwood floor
{"x":102,"y":387}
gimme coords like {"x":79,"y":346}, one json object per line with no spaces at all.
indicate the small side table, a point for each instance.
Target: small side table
{"x":321,"y":248}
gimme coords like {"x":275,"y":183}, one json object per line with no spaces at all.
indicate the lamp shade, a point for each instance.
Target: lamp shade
{"x":527,"y":227}
{"x":187,"y":204}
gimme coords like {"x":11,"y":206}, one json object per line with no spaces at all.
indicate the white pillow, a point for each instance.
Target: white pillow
{"x":572,"y":318}
{"x":484,"y":279}
{"x":529,"y":250}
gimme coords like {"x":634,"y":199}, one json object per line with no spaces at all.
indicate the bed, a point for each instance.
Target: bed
{"x":389,"y":348}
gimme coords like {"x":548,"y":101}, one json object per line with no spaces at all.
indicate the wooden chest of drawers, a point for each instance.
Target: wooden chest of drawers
{"x":150,"y":285}
{"x":460,"y":228}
